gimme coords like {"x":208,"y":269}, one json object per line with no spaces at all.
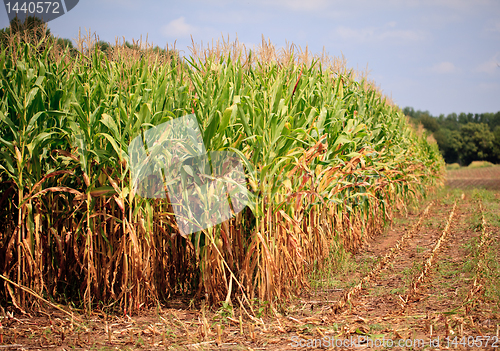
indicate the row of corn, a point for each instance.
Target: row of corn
{"x":327,"y":158}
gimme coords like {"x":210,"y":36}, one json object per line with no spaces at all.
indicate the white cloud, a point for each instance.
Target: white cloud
{"x":409,"y":35}
{"x":440,"y":18}
{"x":356,"y":34}
{"x":444,"y":67}
{"x":378,"y":34}
{"x":491,"y":66}
{"x":178,"y":28}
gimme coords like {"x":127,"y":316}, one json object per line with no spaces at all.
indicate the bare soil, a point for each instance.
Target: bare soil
{"x":484,"y":177}
{"x":439,"y":290}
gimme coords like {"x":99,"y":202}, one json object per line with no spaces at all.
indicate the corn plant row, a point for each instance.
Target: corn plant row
{"x":326,"y":158}
{"x":415,"y":285}
{"x":381,"y":264}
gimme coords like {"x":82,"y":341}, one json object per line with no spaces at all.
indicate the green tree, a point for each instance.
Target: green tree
{"x":465,"y":118}
{"x":409,"y":111}
{"x":496,"y":145}
{"x":65,"y":43}
{"x":429,"y":123}
{"x":103,"y":46}
{"x":477,"y":142}
{"x":450,"y":144}
{"x":32,"y":30}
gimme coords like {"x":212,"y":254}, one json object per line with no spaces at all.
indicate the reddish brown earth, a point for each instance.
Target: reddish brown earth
{"x":486,"y":177}
{"x":458,"y":297}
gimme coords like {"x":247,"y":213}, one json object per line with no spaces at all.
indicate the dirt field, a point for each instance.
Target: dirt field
{"x":431,"y":281}
{"x":486,"y":177}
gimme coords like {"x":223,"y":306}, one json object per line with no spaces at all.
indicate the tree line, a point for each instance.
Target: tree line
{"x":462,"y":138}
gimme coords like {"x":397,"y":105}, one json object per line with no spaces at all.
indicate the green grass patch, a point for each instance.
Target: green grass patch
{"x":452,"y":166}
{"x":480,"y":164}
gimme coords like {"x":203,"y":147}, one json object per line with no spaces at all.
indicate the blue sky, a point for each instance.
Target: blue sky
{"x":436,"y":55}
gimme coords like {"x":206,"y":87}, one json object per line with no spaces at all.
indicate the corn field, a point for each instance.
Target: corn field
{"x":327,"y":158}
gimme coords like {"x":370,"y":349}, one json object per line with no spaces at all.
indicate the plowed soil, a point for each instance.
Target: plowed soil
{"x":433,"y":283}
{"x":484,"y":177}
